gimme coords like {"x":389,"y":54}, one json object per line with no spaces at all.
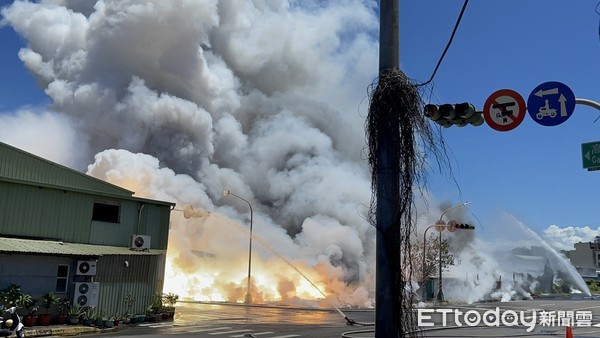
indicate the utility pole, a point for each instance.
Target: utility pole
{"x":388,"y":277}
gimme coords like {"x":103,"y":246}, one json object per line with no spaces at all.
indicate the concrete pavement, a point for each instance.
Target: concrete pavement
{"x":60,"y":330}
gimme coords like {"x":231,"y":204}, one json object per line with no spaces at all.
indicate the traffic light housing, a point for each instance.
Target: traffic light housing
{"x":464,"y":226}
{"x":459,"y":114}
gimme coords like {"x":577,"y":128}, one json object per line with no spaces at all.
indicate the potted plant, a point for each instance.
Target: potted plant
{"x":98,"y":319}
{"x":63,"y":306}
{"x":87,"y":316}
{"x":74,"y":312}
{"x":108,"y":321}
{"x":128,"y":301}
{"x":153,"y":311}
{"x":13,"y":295}
{"x":30,"y":319}
{"x":47,"y":301}
{"x":169,"y":301}
{"x":117,"y":320}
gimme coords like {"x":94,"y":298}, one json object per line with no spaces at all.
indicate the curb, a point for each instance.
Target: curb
{"x":59,"y":331}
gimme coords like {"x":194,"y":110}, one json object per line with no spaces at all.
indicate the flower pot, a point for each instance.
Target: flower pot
{"x":30,"y":320}
{"x":44,"y":319}
{"x":61,"y":319}
{"x":108,"y":323}
{"x":74,"y":320}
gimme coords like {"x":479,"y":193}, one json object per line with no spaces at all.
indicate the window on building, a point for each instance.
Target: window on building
{"x":598,"y":259}
{"x":106,"y":212}
{"x":62,"y":276}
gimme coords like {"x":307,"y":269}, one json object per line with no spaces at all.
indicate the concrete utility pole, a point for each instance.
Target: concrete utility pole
{"x":388,"y":280}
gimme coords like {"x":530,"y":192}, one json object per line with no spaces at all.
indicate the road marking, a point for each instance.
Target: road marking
{"x":160,"y":325}
{"x":254,"y":334}
{"x":287,"y":336}
{"x":209,"y":329}
{"x":228,"y":332}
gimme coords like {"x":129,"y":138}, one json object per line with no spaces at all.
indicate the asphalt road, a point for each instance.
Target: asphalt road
{"x":537,"y":318}
{"x":226,"y":320}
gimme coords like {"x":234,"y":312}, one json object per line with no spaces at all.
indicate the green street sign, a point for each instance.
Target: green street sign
{"x":590,"y":153}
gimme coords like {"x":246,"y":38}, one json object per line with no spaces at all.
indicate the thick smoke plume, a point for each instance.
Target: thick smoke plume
{"x":179,"y":100}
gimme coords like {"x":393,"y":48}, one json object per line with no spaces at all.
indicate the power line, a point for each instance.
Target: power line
{"x":598,"y":12}
{"x":462,"y":11}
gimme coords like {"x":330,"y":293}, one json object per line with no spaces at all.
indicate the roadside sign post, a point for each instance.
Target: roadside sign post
{"x":590,"y":155}
{"x":504,"y":110}
{"x":551,"y":103}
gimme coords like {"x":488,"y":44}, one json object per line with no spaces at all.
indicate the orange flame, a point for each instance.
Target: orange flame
{"x":207,"y":261}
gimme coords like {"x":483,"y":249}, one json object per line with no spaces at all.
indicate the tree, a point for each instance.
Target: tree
{"x":432,"y":252}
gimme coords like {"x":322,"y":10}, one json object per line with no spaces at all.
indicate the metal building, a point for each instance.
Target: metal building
{"x":77,"y":236}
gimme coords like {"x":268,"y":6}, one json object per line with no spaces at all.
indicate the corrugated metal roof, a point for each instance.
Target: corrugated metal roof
{"x":19,"y":165}
{"x":44,"y":247}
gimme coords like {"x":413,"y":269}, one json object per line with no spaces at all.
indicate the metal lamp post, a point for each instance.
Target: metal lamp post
{"x":440,"y":295}
{"x":441,"y":226}
{"x":248,"y":299}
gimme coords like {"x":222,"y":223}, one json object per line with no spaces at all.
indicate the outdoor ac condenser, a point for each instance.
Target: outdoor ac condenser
{"x":86,"y":268}
{"x":139,"y":242}
{"x":86,"y":294}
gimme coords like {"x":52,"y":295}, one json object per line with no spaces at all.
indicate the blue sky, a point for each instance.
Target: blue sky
{"x":533,"y":171}
{"x":18,"y":87}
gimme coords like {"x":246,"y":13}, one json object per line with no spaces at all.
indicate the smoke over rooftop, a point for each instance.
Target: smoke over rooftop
{"x":179,"y":100}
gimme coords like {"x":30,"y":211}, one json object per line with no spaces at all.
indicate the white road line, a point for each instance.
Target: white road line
{"x":161,"y":325}
{"x":209,"y":329}
{"x":287,"y":336}
{"x":228,"y":332}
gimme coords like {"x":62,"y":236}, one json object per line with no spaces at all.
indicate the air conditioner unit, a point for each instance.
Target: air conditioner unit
{"x":86,"y":294}
{"x":86,"y":268}
{"x":139,"y":242}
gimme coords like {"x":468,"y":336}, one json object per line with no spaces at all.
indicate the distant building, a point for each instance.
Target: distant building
{"x":80,"y":237}
{"x":586,"y":258}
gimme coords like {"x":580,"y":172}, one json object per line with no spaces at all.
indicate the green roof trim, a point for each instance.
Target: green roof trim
{"x":44,"y":247}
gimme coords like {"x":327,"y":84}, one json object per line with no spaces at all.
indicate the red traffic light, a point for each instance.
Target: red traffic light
{"x":464,"y":226}
{"x":459,"y":114}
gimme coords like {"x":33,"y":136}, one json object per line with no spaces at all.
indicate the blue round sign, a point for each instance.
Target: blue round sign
{"x":551,"y":103}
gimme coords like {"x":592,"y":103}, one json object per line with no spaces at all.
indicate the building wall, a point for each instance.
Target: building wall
{"x":43,"y":200}
{"x":583,"y":256}
{"x":31,"y":211}
{"x":44,"y":212}
{"x":35,"y":274}
{"x":142,"y":276}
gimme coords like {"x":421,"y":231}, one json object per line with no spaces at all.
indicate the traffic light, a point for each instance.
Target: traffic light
{"x":464,"y":226}
{"x":459,"y":114}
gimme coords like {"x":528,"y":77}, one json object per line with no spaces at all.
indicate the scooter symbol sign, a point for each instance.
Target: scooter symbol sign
{"x":551,"y":103}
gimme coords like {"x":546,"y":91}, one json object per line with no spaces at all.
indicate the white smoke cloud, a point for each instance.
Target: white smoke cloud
{"x":22,"y":129}
{"x":180,"y":100}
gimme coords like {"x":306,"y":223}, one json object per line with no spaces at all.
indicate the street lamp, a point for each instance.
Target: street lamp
{"x":441,"y":225}
{"x":248,"y":299}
